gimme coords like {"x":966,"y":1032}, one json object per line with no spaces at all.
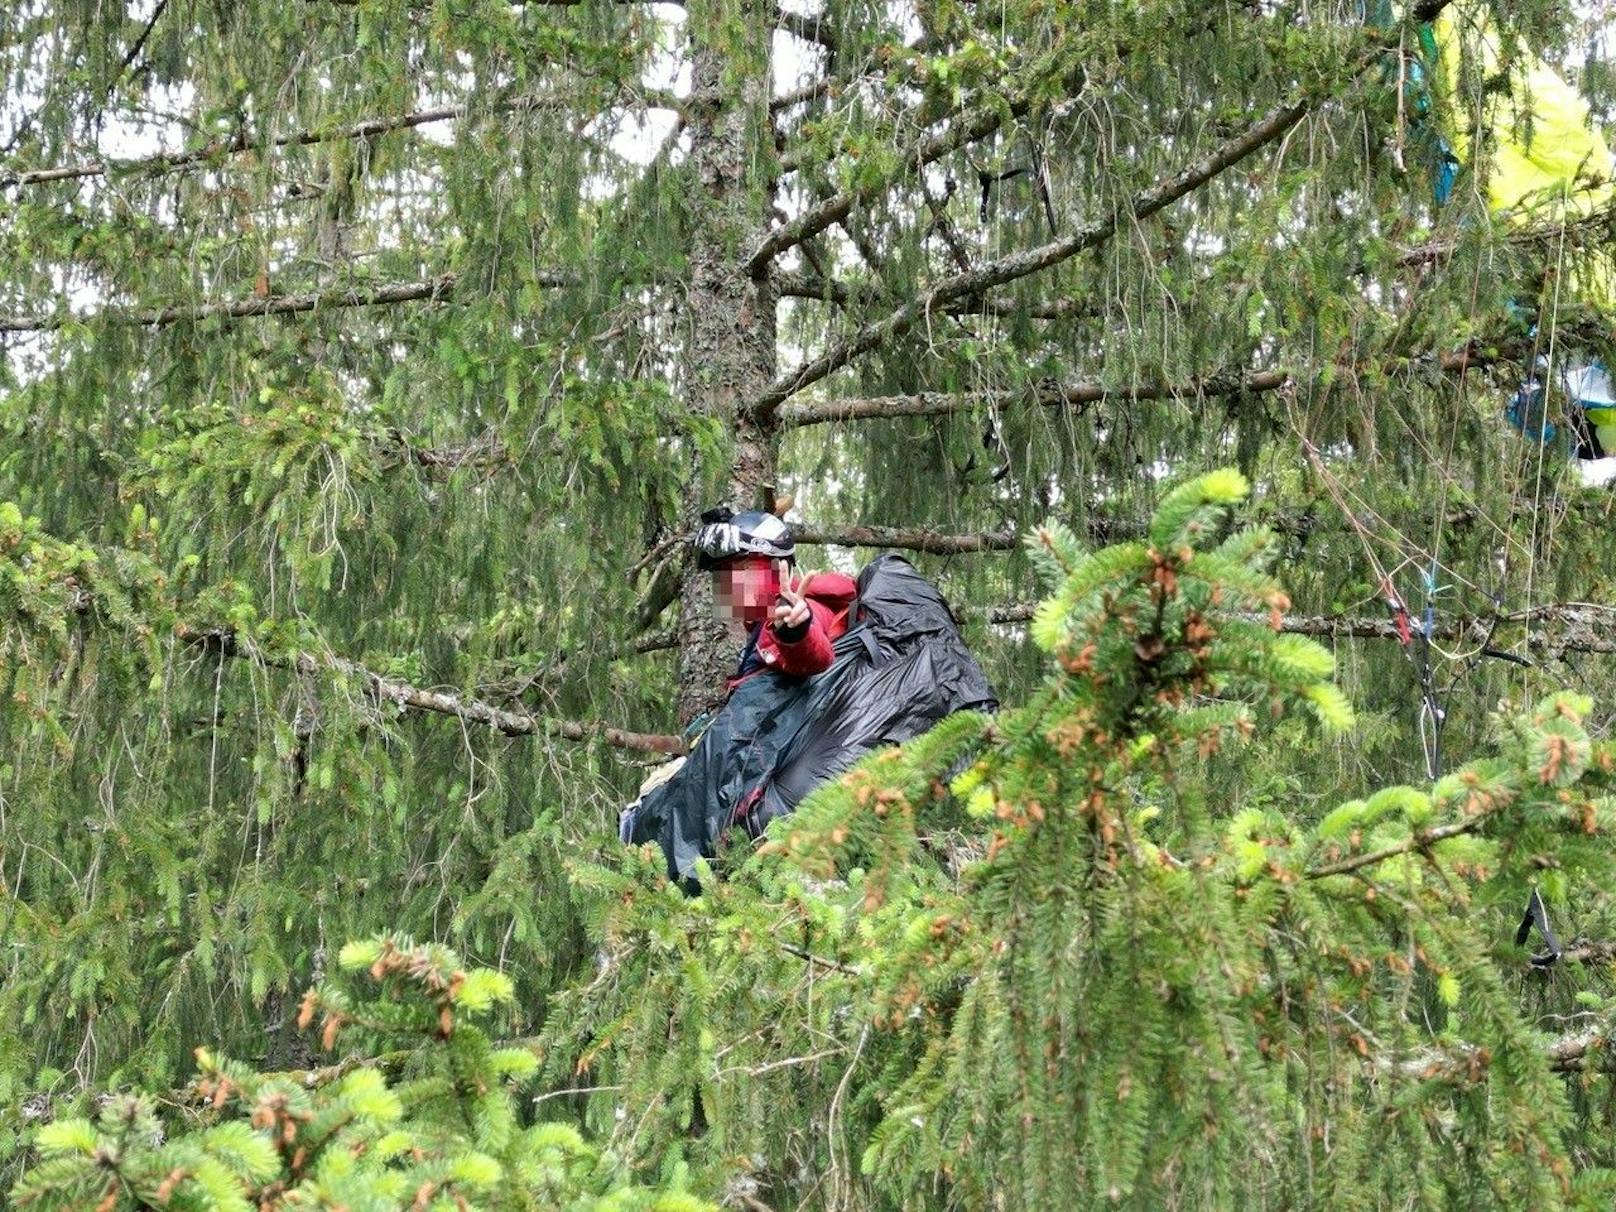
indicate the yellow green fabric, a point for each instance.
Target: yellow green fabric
{"x":1549,"y":159}
{"x":1546,"y":152}
{"x":1603,"y":423}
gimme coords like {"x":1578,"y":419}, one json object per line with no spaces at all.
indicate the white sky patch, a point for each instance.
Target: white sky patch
{"x":1596,"y":473}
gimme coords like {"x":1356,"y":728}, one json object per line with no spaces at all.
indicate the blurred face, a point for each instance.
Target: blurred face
{"x":744,"y":590}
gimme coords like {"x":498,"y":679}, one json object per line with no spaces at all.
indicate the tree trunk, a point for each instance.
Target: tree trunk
{"x":730,"y":333}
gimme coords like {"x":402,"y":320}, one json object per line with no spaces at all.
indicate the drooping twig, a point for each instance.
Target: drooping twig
{"x":790,"y":284}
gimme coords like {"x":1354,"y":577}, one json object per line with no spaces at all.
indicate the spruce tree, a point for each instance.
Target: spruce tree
{"x":366,"y":361}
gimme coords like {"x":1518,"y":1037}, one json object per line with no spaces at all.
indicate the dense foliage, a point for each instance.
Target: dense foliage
{"x":443,"y":1135}
{"x":1068,"y":977}
{"x":363,"y":361}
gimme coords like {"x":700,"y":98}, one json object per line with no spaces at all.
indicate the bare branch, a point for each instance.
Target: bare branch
{"x":231,"y":643}
{"x":834,"y":965}
{"x":904,"y":539}
{"x":657,"y":641}
{"x":788,"y":285}
{"x":798,"y":96}
{"x":1029,"y":261}
{"x":138,"y":45}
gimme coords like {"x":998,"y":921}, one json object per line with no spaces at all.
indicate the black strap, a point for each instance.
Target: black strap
{"x":750,"y":659}
{"x":1537,"y":915}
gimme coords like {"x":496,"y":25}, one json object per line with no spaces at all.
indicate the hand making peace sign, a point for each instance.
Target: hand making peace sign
{"x":792,"y":608}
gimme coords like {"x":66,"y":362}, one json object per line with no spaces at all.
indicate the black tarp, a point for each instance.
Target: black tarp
{"x":898,"y":670}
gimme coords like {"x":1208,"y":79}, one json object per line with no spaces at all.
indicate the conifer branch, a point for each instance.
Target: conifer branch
{"x":808,"y":27}
{"x":1100,"y":531}
{"x":1029,"y":261}
{"x":1424,"y":839}
{"x":1589,"y":953}
{"x":433,"y":289}
{"x":230,"y":643}
{"x":1599,"y":223}
{"x":1057,"y":395}
{"x":1047,"y":395}
{"x":1575,"y":1052}
{"x":904,"y":539}
{"x":1581,"y":627}
{"x":241,"y":142}
{"x":1580,"y":1051}
{"x":970,"y":129}
{"x":793,"y":285}
{"x":486,"y":451}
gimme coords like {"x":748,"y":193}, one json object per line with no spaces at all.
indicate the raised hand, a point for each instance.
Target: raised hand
{"x":792,"y":608}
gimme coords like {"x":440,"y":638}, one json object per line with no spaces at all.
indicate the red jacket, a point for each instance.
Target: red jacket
{"x":830,"y":597}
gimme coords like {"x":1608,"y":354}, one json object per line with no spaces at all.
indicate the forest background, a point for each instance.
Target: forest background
{"x":352,"y":423}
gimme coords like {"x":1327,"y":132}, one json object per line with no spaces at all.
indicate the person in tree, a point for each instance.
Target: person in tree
{"x":791,"y":624}
{"x":791,"y":621}
{"x":833,"y":668}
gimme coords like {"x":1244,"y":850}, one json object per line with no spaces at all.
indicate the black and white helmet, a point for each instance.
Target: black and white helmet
{"x":725,"y":535}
